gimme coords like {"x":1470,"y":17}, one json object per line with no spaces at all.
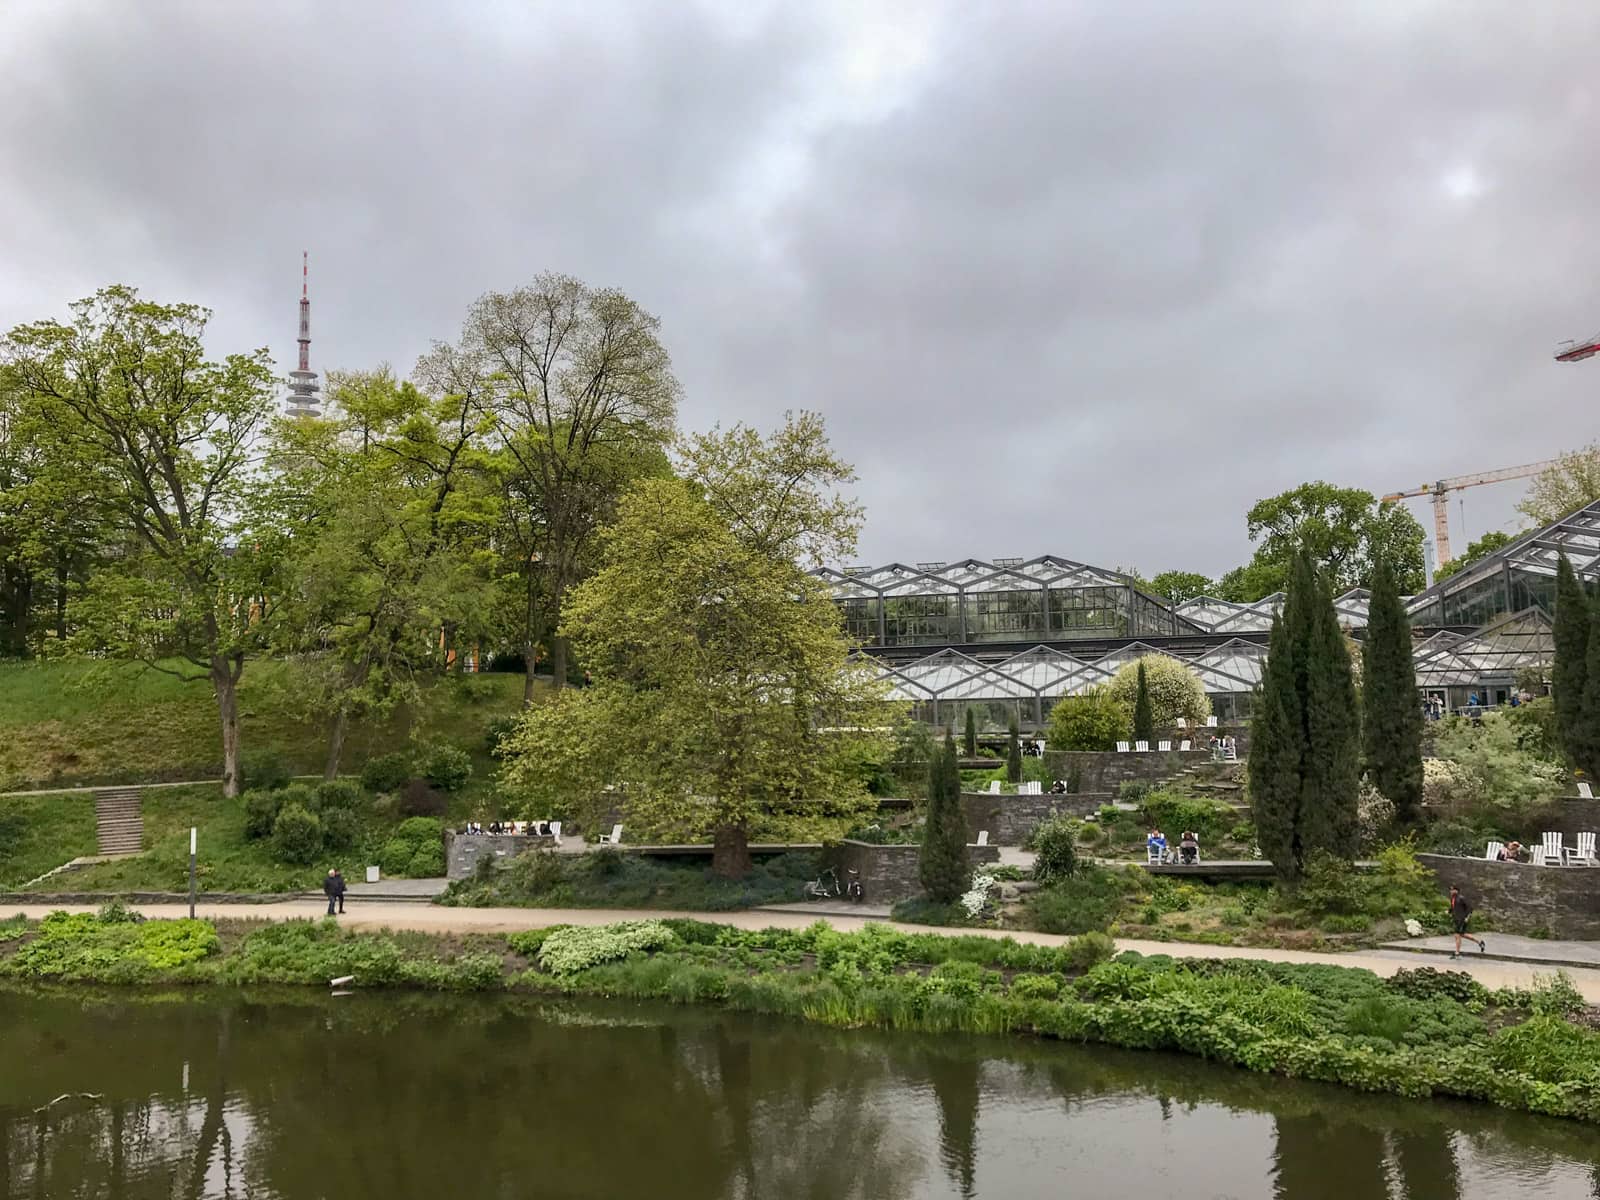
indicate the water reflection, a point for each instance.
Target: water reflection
{"x":295,"y":1096}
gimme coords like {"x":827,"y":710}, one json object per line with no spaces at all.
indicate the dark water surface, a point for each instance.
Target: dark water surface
{"x":394,"y":1096}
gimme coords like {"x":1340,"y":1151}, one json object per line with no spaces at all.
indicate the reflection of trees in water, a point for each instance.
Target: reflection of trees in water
{"x":955,"y":1084}
{"x":1316,"y":1158}
{"x":1426,"y":1164}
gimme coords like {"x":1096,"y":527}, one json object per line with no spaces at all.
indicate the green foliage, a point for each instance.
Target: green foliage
{"x":1391,"y":714}
{"x":415,"y":850}
{"x":1013,"y":752}
{"x":969,"y":743}
{"x":942,"y":864}
{"x":114,"y":950}
{"x":1173,"y":689}
{"x":1482,"y":547}
{"x":495,"y":732}
{"x":419,"y":799}
{"x":1056,"y":851}
{"x":577,"y":948}
{"x":1174,"y":813}
{"x":1087,"y":902}
{"x":1429,"y":983}
{"x":1092,"y":721}
{"x":265,"y":770}
{"x":260,"y":811}
{"x":341,"y":828}
{"x":1178,"y":586}
{"x":446,"y":767}
{"x":1488,"y":769}
{"x":1144,"y":724}
{"x":337,"y":794}
{"x":1035,"y":987}
{"x":386,"y":773}
{"x":296,"y":835}
{"x":1571,"y":668}
{"x":115,"y":912}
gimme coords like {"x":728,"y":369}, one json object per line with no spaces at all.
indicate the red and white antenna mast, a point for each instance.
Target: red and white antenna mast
{"x":303,"y":386}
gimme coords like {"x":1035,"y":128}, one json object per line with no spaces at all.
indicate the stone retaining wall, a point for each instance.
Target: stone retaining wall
{"x":1562,"y":902}
{"x":1010,"y":819}
{"x":462,"y":850}
{"x":889,"y":873}
{"x":1105,"y":770}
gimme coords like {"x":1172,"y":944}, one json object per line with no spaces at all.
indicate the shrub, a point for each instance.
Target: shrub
{"x":427,"y":863}
{"x":386,"y":773}
{"x":415,"y":849}
{"x":1173,"y":814}
{"x":115,"y":912}
{"x":417,"y":799}
{"x":1132,"y":791}
{"x":573,"y":949}
{"x":1087,"y":950}
{"x":260,"y":811}
{"x":1092,"y":721}
{"x":340,"y":828}
{"x":496,"y":731}
{"x":338,"y":793}
{"x":1329,"y":886}
{"x":301,"y":794}
{"x":395,"y":858}
{"x":1056,"y":851}
{"x":1035,"y":987}
{"x":1375,"y":815}
{"x":1175,"y":691}
{"x":296,"y":835}
{"x":1429,"y":983}
{"x":1505,"y":775}
{"x":1085,"y":903}
{"x":447,"y":767}
{"x":265,"y":769}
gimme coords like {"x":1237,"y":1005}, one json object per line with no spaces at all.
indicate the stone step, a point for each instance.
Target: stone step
{"x":119,"y":820}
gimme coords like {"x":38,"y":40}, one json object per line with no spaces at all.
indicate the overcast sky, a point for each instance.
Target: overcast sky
{"x":1082,"y":278}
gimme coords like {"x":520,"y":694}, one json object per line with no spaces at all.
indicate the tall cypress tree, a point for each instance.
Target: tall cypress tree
{"x":942,"y":864}
{"x":1585,"y":748}
{"x":1305,"y":752}
{"x":1013,"y":751}
{"x":971,"y":739}
{"x":1329,"y":819}
{"x":1391,"y":710}
{"x":1571,"y":634}
{"x":1144,"y":718}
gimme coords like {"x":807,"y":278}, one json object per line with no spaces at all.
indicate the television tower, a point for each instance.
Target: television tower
{"x":303,"y":386}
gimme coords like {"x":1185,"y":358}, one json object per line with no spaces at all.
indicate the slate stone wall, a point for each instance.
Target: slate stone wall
{"x":889,"y":873}
{"x":1563,"y":902}
{"x":462,"y":850}
{"x":1010,"y":819}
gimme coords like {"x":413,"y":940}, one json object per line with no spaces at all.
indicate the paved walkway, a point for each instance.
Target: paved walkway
{"x":435,"y":919}
{"x":1509,"y":947}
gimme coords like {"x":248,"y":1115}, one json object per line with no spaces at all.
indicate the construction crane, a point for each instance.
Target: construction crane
{"x":1440,"y":490}
{"x":1578,"y":351}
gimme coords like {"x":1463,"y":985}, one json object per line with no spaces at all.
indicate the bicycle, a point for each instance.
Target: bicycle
{"x":818,"y":889}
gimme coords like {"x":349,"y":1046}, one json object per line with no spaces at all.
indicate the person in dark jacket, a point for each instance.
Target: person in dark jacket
{"x":333,"y":888}
{"x":1460,"y":913}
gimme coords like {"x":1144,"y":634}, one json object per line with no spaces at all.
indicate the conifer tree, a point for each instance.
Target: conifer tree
{"x":1144,"y":720}
{"x":1013,"y":751}
{"x":1571,"y":635}
{"x":1585,"y":748}
{"x":1277,"y":745}
{"x":942,"y":865}
{"x":1391,"y":710}
{"x":1332,"y":775}
{"x":970,"y":746}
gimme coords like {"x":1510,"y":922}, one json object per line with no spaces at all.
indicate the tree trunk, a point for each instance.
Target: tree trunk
{"x":730,"y":853}
{"x":227,"y":685}
{"x":341,"y":724}
{"x":529,"y":661}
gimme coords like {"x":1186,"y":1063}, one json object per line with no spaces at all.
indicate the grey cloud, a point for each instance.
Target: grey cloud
{"x":1103,"y":274}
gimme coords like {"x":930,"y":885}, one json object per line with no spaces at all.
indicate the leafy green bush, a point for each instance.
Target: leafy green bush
{"x":1175,"y":691}
{"x":296,"y":835}
{"x":260,"y":811}
{"x":1087,"y":902}
{"x":266,"y":770}
{"x":418,"y":799}
{"x":1429,"y":983}
{"x":1088,"y":950}
{"x":1549,"y":1049}
{"x":303,"y":795}
{"x":1035,"y":987}
{"x":427,"y":863}
{"x":1092,"y":721}
{"x":415,"y":849}
{"x":577,"y":948}
{"x":527,"y":942}
{"x":338,"y":794}
{"x":496,"y":730}
{"x":447,"y":767}
{"x":386,"y":773}
{"x":115,"y":912}
{"x":1509,"y":778}
{"x":1056,"y":851}
{"x":1132,"y":791}
{"x":1329,"y":886}
{"x":340,"y":828}
{"x":79,"y":946}
{"x":1174,"y":814}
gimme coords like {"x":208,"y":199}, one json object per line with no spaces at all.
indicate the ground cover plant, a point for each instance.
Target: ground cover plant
{"x":611,"y":879}
{"x":1421,"y":1033}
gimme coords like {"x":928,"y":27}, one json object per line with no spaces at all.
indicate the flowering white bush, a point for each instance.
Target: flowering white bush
{"x":576,"y":948}
{"x":1413,"y":927}
{"x":973,"y":901}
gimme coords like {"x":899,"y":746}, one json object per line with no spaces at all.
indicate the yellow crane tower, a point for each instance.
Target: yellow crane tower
{"x":1439,"y":492}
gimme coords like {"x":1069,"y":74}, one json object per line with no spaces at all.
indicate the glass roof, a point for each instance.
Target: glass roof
{"x":1535,"y":553}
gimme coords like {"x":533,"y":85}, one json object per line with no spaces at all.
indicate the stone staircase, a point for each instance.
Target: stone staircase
{"x":119,"y":822}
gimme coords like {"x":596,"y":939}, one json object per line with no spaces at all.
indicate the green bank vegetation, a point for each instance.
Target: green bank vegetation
{"x":1419,"y":1034}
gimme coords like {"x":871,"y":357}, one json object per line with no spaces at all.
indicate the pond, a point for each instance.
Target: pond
{"x":294,"y":1095}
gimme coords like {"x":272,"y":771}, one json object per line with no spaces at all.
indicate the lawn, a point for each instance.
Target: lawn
{"x":227,"y":861}
{"x":80,"y":722}
{"x":38,"y":833}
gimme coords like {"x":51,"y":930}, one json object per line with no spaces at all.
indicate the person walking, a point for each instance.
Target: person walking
{"x":333,"y":888}
{"x":1460,"y":914}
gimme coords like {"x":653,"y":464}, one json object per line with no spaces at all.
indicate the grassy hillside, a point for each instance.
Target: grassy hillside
{"x":38,"y":833}
{"x":81,"y":722}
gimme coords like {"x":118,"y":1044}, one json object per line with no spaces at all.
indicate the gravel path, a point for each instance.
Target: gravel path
{"x":435,"y":919}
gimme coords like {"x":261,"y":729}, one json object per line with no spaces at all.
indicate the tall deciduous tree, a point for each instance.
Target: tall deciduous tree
{"x":942,"y":861}
{"x":1391,"y":710}
{"x":1178,"y":586}
{"x":1482,"y":547}
{"x":132,"y":399}
{"x":724,"y":690}
{"x":1305,"y":754}
{"x":579,"y":390}
{"x":1144,"y":721}
{"x":1571,"y":637}
{"x":1570,"y":483}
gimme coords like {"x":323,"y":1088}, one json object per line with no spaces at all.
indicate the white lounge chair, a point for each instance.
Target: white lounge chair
{"x":612,"y":838}
{"x":1184,"y":747}
{"x":983,"y":838}
{"x":555,"y":831}
{"x":994,"y":787}
{"x":1182,"y":724}
{"x":1584,"y":854}
{"x":1492,"y":854}
{"x":1585,"y":792}
{"x":1164,"y":746}
{"x":1123,"y":747}
{"x":1211,"y":722}
{"x":1154,"y":854}
{"x":1142,"y":747}
{"x":1230,"y":753}
{"x":1536,"y":856}
{"x":1555,"y":854}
